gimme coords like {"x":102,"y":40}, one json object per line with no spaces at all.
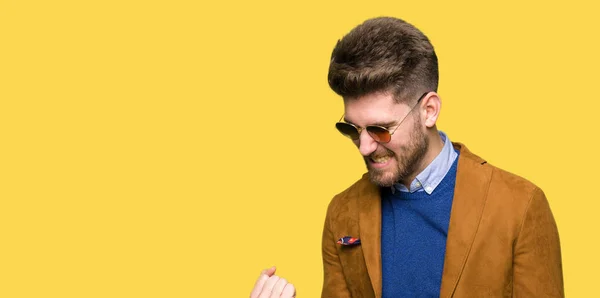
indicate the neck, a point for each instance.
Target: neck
{"x":435,"y":147}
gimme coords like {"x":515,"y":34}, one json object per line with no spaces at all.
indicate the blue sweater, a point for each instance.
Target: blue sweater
{"x":414,"y":228}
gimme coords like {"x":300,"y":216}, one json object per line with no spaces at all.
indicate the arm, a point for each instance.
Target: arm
{"x":334,"y":284}
{"x":537,"y":265}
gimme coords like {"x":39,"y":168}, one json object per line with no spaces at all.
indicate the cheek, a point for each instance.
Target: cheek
{"x":395,"y":148}
{"x":393,"y":145}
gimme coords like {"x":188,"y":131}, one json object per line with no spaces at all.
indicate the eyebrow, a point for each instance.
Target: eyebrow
{"x":382,"y":124}
{"x":385,"y":124}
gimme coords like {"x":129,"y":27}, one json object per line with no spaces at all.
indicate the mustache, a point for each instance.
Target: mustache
{"x":381,"y":153}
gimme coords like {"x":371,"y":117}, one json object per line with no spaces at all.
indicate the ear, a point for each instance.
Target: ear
{"x":431,"y":105}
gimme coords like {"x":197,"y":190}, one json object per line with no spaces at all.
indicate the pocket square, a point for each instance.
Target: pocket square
{"x":349,"y":241}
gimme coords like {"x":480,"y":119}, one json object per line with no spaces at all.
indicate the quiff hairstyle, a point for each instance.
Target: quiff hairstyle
{"x":384,"y":55}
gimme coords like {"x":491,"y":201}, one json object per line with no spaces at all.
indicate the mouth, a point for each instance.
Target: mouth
{"x":380,"y":161}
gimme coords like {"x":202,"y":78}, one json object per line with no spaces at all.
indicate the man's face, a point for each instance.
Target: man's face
{"x":399,"y":159}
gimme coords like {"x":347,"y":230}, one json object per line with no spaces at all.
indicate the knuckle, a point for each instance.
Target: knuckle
{"x":273,"y":279}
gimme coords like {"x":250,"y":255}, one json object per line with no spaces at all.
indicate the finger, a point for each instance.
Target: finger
{"x":258,"y":285}
{"x":267,"y":289}
{"x":260,"y":282}
{"x":278,"y":288}
{"x":289,"y":291}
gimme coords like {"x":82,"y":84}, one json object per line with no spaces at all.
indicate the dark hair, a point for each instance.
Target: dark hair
{"x":383,"y":55}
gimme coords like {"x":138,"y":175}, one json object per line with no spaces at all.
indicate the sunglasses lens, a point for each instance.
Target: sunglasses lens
{"x":347,"y":130}
{"x":379,"y":134}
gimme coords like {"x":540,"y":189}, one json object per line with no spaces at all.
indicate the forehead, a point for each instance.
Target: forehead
{"x":372,"y":109}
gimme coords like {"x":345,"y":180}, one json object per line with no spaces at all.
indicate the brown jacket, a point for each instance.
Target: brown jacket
{"x":502,"y":238}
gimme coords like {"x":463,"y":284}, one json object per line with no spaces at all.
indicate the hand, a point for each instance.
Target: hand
{"x":269,"y":285}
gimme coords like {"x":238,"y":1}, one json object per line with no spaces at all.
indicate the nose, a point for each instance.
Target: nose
{"x":366,"y":144}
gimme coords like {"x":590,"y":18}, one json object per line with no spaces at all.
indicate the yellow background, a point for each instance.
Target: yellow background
{"x":176,"y":148}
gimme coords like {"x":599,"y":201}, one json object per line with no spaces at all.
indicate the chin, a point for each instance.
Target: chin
{"x":382,"y":179}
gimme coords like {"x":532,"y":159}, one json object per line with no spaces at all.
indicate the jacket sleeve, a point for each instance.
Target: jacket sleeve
{"x":334,"y":283}
{"x":537,"y":265}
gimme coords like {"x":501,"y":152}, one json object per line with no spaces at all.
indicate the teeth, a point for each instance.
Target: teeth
{"x":381,"y":159}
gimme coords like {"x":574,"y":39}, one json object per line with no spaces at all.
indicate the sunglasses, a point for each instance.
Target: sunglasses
{"x":379,"y":133}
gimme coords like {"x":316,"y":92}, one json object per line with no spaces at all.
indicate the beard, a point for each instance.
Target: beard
{"x":407,"y":160}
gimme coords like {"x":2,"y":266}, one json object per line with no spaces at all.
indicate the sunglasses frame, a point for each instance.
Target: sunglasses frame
{"x":375,"y":137}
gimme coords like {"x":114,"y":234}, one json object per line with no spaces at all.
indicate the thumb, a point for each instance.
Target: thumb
{"x":270,"y":271}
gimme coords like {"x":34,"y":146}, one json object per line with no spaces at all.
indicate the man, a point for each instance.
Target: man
{"x":430,"y":218}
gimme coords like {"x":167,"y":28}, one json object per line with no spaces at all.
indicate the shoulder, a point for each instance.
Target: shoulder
{"x":361,"y":196}
{"x":507,"y":193}
{"x":497,"y":177}
{"x":347,"y":200}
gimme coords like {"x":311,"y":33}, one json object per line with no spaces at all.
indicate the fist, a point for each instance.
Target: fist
{"x":270,"y":285}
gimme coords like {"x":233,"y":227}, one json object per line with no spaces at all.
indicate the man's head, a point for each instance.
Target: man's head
{"x":384,"y":54}
{"x":386,"y":70}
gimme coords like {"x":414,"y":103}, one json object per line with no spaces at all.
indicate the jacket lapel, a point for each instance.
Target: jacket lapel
{"x":370,"y":232}
{"x":470,"y":194}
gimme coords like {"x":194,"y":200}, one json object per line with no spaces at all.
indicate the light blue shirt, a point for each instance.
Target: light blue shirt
{"x":433,"y":174}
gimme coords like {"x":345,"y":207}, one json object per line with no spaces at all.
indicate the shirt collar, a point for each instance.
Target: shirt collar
{"x":435,"y":172}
